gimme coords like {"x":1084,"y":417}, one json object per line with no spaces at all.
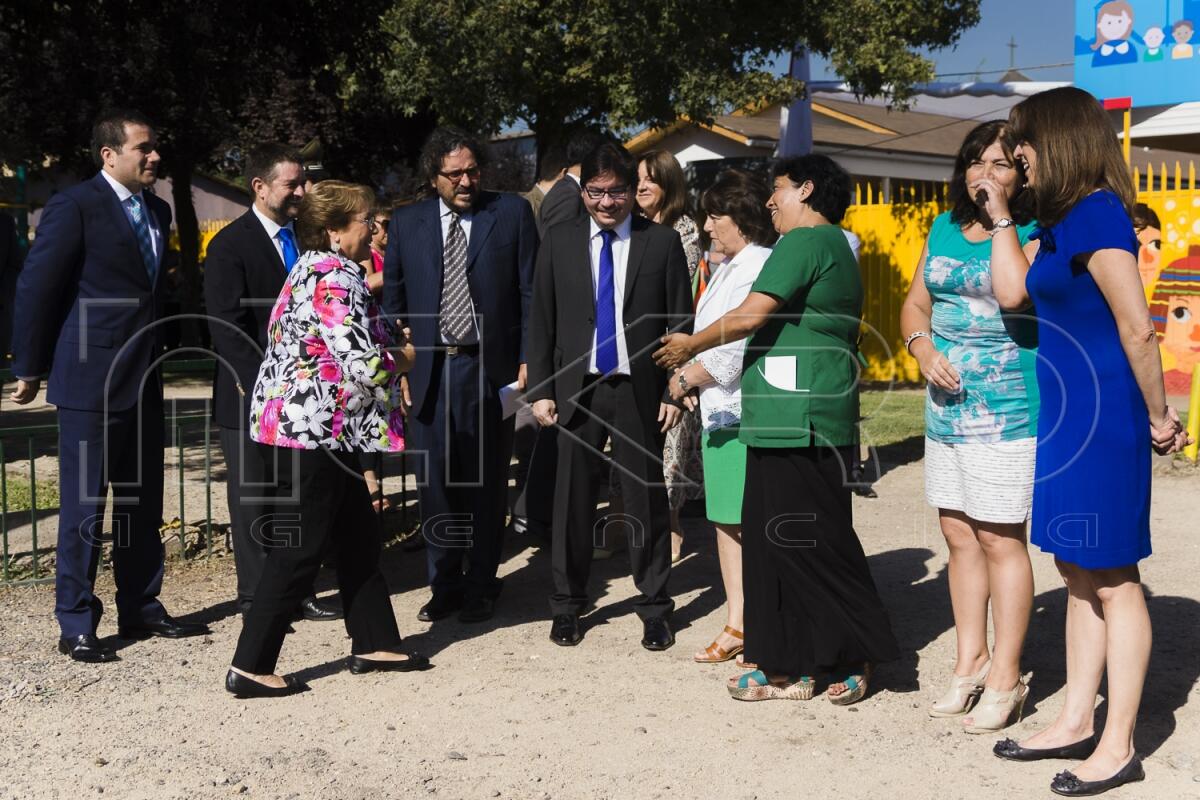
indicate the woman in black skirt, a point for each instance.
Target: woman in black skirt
{"x":811,"y":605}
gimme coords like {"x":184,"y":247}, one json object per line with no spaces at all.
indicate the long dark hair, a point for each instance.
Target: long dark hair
{"x":963,"y":208}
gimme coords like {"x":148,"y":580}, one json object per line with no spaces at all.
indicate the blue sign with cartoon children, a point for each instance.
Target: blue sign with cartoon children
{"x":1141,"y":49}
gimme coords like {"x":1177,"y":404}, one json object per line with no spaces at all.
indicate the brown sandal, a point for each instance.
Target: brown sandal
{"x":715,"y":654}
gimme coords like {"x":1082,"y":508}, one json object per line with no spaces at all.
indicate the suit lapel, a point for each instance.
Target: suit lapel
{"x":637,"y":248}
{"x":266,"y":248}
{"x":481,"y":227}
{"x":121,"y":224}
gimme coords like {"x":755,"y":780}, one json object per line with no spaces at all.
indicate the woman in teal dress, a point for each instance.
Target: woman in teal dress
{"x":1103,"y":409}
{"x":980,"y":424}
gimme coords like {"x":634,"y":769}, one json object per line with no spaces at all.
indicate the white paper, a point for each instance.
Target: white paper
{"x":780,"y":372}
{"x":511,"y":399}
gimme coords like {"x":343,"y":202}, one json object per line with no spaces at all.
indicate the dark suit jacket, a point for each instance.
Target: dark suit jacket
{"x":243,"y":275}
{"x":561,"y":204}
{"x":87,"y":308}
{"x":657,"y":300}
{"x":500,"y":258}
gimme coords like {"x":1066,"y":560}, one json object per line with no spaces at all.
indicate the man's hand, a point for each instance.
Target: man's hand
{"x":522,"y":377}
{"x":405,"y":397}
{"x":545,"y":412}
{"x":669,"y":416}
{"x":25,"y":391}
{"x":675,"y":352}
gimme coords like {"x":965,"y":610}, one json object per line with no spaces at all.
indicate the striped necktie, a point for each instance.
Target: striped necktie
{"x":455,"y":317}
{"x":141,"y":228}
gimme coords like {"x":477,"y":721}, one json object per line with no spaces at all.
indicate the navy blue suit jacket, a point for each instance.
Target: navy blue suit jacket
{"x":86,"y":307}
{"x":500,"y":258}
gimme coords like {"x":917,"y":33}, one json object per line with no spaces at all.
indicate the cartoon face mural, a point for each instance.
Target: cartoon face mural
{"x":1175,"y":310}
{"x":1182,"y":32}
{"x":1154,"y":38}
{"x":1149,"y":255}
{"x":1114,"y":23}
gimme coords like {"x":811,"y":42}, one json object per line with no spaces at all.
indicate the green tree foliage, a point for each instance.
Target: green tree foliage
{"x":554,"y":64}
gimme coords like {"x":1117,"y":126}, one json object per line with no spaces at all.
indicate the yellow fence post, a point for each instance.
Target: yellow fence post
{"x":1193,"y":421}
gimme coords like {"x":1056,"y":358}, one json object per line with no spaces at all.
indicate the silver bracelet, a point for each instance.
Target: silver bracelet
{"x":912,"y":337}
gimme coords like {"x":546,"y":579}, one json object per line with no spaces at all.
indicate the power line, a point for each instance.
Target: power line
{"x":993,"y":71}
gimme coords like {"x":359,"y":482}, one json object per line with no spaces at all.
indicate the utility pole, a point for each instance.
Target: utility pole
{"x":1012,"y":52}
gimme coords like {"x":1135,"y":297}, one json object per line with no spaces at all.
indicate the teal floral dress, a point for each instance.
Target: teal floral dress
{"x":993,"y":351}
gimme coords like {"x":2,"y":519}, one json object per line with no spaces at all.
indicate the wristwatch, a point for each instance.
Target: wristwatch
{"x":1001,"y":224}
{"x":683,"y":384}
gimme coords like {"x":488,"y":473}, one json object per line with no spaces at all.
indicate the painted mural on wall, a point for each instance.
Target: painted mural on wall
{"x":1141,"y":49}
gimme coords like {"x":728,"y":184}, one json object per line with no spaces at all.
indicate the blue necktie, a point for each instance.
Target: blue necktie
{"x":141,"y":229}
{"x":288,"y":243}
{"x":606,"y":310}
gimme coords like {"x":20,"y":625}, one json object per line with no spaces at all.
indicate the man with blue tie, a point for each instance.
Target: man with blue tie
{"x":458,"y":272}
{"x":608,"y":285}
{"x":88,"y":316}
{"x":245,"y":266}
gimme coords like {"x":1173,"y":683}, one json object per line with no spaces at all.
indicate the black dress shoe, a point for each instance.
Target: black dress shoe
{"x":168,"y":627}
{"x":86,"y":648}
{"x":477,"y":609}
{"x":565,"y":631}
{"x":1078,"y":751}
{"x":414,"y":663}
{"x":439,"y":608}
{"x":657,"y":634}
{"x":414,"y":544}
{"x":314,"y":610}
{"x":1066,"y":784}
{"x":245,"y":688}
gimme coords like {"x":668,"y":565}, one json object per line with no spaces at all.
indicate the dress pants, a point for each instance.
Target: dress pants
{"x":461,"y":441}
{"x":258,"y":476}
{"x":124,"y":450}
{"x":334,"y":507}
{"x":608,"y":409}
{"x":536,"y":451}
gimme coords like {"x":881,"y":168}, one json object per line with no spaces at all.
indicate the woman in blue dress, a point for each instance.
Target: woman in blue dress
{"x":1103,"y":408}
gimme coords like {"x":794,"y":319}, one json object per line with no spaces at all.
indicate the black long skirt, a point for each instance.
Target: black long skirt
{"x":811,"y":605}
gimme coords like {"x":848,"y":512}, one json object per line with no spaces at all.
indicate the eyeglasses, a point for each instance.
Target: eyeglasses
{"x":456,"y":175}
{"x":369,"y":222}
{"x":617,"y":193}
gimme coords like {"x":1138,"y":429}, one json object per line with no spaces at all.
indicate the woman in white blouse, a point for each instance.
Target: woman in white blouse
{"x":740,"y":226}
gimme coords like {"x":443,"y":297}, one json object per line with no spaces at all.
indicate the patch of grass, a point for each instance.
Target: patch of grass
{"x":19,"y":494}
{"x":892,"y":416}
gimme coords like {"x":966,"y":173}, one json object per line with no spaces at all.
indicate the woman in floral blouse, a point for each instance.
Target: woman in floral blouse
{"x":325,"y":393}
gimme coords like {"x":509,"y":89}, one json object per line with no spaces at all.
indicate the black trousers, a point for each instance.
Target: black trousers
{"x":258,"y":478}
{"x":608,"y":410}
{"x":536,"y":451}
{"x":811,"y":604}
{"x":462,"y":444}
{"x":335,"y":507}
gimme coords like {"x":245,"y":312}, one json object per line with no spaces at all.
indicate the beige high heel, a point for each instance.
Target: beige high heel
{"x":962,"y":693}
{"x":996,"y":710}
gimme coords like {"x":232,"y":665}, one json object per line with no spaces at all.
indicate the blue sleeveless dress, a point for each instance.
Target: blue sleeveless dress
{"x":1091,"y":496}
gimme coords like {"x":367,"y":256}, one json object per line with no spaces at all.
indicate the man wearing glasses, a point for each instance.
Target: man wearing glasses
{"x":458,"y":272}
{"x":608,"y":285}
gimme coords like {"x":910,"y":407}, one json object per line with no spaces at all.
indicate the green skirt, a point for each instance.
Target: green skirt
{"x":724,"y":475}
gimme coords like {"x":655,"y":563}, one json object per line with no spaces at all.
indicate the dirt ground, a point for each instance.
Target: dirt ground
{"x":505,"y":713}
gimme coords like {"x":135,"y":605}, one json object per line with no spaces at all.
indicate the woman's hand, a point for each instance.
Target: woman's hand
{"x":935,"y":366}
{"x":677,"y":392}
{"x":676,"y":351}
{"x":996,"y":204}
{"x":1167,"y":434}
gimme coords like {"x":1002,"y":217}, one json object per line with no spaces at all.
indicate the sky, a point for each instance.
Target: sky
{"x":1044,"y":31}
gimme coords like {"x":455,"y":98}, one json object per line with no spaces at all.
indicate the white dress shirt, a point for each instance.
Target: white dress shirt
{"x":123,"y":195}
{"x":464,"y":220}
{"x":273,"y":228}
{"x":620,"y":250}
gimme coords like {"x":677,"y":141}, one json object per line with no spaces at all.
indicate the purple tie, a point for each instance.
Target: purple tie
{"x":606,"y":311}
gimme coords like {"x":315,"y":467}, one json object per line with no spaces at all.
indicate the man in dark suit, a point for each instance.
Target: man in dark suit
{"x":562,"y":202}
{"x":88,"y":315}
{"x":607,"y":287}
{"x":458,"y":272}
{"x":245,"y":266}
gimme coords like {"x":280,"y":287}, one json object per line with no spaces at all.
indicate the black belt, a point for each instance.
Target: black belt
{"x":452,"y":350}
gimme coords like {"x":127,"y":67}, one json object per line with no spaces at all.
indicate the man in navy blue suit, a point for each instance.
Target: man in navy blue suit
{"x":458,"y":272}
{"x":89,"y":297}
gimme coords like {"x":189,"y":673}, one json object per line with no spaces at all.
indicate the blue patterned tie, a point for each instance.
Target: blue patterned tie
{"x":606,"y":310}
{"x":288,"y":244}
{"x":141,"y":229}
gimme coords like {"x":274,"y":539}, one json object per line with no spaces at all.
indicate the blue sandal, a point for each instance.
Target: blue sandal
{"x":755,"y":686}
{"x":856,"y":688}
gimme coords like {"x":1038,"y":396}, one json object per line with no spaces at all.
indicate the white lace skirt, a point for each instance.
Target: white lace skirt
{"x":987,"y":481}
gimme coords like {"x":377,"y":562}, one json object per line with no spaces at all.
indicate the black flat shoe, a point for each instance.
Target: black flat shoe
{"x":245,"y":688}
{"x":657,"y":634}
{"x":414,"y":663}
{"x":1011,"y":751}
{"x":86,"y":648}
{"x":564,"y":631}
{"x":1066,"y":784}
{"x":168,"y":627}
{"x":314,"y":610}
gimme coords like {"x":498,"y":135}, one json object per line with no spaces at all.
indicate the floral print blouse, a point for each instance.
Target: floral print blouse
{"x":326,"y":379}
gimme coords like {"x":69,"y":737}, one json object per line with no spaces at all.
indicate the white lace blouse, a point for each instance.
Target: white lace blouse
{"x":721,"y":402}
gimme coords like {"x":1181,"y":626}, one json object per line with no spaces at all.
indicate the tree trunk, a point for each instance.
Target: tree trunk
{"x":188,"y":285}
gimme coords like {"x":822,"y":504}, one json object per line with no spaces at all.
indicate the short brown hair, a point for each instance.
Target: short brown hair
{"x":109,"y":130}
{"x":329,"y":205}
{"x":743,"y":198}
{"x":1077,"y":151}
{"x":664,"y":169}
